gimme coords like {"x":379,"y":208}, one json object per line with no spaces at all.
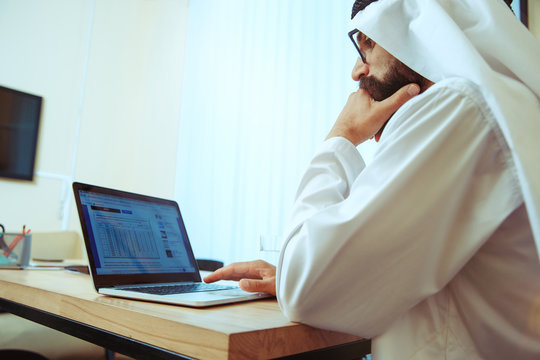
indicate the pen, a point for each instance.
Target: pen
{"x":9,"y":251}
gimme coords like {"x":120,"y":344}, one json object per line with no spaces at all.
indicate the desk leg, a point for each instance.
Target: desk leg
{"x":109,"y":354}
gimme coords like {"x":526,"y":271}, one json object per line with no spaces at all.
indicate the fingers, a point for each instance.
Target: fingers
{"x":254,"y":276}
{"x":390,"y":105}
{"x":215,"y":276}
{"x":363,"y":117}
{"x":267,"y":285}
{"x":241,"y":270}
{"x":234,"y":271}
{"x":400,"y":97}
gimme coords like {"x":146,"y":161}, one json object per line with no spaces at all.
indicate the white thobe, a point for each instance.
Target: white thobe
{"x":428,"y":250}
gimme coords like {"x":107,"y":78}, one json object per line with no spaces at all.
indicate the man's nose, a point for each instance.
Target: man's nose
{"x":359,"y":70}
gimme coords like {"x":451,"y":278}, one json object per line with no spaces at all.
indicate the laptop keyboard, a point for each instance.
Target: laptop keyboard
{"x":179,"y":289}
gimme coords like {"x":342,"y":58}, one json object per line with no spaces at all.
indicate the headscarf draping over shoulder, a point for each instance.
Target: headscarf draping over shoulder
{"x":480,"y":40}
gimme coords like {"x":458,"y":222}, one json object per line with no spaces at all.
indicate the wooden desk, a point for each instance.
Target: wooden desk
{"x":253,"y":330}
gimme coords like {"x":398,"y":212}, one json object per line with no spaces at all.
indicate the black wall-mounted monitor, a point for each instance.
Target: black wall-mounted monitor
{"x":19,"y":124}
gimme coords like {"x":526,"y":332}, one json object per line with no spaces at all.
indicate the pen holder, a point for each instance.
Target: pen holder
{"x":15,"y":250}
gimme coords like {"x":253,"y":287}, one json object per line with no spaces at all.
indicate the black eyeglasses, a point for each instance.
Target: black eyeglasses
{"x":354,"y":39}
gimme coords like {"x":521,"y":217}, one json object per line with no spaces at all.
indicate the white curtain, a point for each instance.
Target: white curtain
{"x":264,"y":80}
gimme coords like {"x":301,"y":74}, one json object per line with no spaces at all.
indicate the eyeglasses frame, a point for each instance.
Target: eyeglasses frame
{"x":352,"y":33}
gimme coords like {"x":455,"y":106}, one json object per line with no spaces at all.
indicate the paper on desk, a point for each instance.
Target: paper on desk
{"x":43,"y":264}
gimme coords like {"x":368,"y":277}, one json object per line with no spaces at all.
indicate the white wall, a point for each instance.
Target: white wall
{"x":110,"y":75}
{"x":279,"y":79}
{"x":110,"y":72}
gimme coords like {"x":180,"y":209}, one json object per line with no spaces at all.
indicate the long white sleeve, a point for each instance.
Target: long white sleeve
{"x":365,"y":244}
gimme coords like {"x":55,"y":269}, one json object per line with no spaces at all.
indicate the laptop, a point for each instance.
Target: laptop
{"x":138,"y":248}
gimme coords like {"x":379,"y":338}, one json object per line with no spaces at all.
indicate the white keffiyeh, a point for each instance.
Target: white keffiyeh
{"x":480,"y":40}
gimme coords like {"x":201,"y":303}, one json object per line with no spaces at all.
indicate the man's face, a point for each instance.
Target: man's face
{"x":382,"y":74}
{"x":394,"y":78}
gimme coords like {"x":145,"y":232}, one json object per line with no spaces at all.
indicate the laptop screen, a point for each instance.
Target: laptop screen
{"x":130,"y":235}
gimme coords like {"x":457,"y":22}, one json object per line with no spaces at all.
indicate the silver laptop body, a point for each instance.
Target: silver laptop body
{"x":138,"y":248}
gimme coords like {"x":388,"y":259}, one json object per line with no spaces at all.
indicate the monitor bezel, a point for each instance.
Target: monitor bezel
{"x":34,"y":136}
{"x":101,"y":280}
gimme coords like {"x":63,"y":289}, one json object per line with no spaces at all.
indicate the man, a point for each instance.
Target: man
{"x":429,"y":250}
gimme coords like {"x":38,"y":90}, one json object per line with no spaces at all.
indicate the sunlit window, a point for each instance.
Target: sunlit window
{"x":264,"y":82}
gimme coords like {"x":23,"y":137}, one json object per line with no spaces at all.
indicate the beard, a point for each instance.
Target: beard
{"x":397,"y":76}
